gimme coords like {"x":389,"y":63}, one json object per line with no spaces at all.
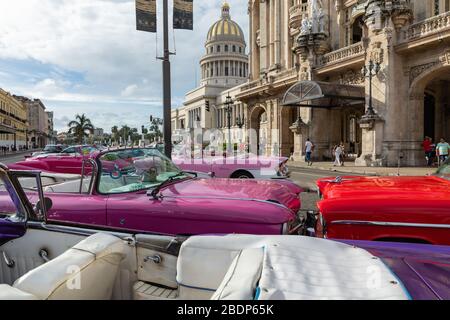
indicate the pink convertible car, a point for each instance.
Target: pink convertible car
{"x":142,"y":190}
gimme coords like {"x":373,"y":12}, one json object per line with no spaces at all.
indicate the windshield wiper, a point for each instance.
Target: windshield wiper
{"x":157,"y":189}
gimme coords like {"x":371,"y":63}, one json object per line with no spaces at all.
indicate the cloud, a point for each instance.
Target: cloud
{"x":86,"y":53}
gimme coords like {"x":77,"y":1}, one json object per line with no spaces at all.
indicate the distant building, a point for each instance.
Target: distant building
{"x":50,"y":132}
{"x":13,"y":122}
{"x":38,"y":131}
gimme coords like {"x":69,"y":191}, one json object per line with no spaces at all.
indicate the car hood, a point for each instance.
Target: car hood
{"x":235,"y":189}
{"x":382,"y":187}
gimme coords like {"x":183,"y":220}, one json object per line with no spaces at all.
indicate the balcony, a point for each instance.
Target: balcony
{"x":432,"y":30}
{"x":347,"y":56}
{"x":296,"y":14}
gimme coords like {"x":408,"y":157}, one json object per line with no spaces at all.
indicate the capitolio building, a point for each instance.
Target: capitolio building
{"x":372,"y":74}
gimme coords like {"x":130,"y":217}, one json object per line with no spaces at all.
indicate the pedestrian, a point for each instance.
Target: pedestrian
{"x":427,"y":146}
{"x":342,"y":153}
{"x":442,"y":151}
{"x":337,"y":155}
{"x":309,"y":148}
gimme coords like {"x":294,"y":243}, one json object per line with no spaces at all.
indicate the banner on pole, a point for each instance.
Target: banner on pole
{"x":146,"y":15}
{"x":183,"y":14}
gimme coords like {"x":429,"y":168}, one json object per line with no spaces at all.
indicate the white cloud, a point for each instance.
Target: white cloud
{"x":96,"y":40}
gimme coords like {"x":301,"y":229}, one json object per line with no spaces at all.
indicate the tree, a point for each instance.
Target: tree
{"x":81,"y":127}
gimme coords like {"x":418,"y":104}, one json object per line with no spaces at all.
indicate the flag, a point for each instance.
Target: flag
{"x":183,"y":14}
{"x":146,"y":15}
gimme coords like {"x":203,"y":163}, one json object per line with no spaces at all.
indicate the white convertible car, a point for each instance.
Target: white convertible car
{"x":45,"y":261}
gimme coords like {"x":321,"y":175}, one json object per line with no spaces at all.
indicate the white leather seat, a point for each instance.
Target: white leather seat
{"x":9,"y":293}
{"x":282,"y":268}
{"x":86,"y":272}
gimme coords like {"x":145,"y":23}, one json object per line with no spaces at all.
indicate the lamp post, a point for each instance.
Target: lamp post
{"x":229,"y":109}
{"x":370,"y":71}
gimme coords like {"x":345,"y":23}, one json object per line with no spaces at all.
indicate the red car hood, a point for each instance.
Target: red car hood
{"x":235,"y":189}
{"x":382,"y":187}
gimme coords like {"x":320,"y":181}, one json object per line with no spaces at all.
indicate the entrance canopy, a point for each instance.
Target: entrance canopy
{"x":316,"y":94}
{"x":6,"y":130}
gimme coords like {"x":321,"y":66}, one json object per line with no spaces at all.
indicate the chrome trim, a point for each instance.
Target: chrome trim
{"x":226,"y":198}
{"x":76,"y":231}
{"x":391,"y":224}
{"x":10,"y":263}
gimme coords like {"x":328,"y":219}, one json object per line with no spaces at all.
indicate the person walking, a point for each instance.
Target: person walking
{"x":337,"y":155}
{"x":442,"y":151}
{"x":309,"y":148}
{"x":342,"y":153}
{"x":427,"y":146}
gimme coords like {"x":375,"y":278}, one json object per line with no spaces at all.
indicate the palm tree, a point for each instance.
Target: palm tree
{"x":80,"y":127}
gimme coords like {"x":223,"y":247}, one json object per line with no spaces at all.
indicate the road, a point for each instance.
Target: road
{"x":12,"y":158}
{"x":306,"y":178}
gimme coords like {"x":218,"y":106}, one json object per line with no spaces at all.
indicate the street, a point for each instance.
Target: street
{"x":12,"y":158}
{"x":306,"y":178}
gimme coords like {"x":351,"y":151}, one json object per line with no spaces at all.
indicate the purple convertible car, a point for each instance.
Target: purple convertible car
{"x":42,"y":260}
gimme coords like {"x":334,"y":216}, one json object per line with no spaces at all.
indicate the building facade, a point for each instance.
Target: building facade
{"x":372,"y":74}
{"x":306,"y":79}
{"x":38,"y":130}
{"x":13,"y":122}
{"x":224,"y":68}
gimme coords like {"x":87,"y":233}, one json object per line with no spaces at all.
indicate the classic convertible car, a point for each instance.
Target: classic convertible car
{"x":407,"y":209}
{"x":69,"y":161}
{"x":48,"y":261}
{"x":142,"y":190}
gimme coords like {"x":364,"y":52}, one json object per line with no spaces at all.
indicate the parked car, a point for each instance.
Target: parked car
{"x":236,"y":166}
{"x":167,"y":200}
{"x":103,"y":263}
{"x":407,"y":209}
{"x":70,"y":161}
{"x":50,"y":148}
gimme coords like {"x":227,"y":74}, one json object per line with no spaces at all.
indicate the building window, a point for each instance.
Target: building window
{"x":226,"y":71}
{"x":357,"y":30}
{"x":240,"y":50}
{"x":234,"y":48}
{"x":218,"y":48}
{"x":436,"y":7}
{"x":226,"y":48}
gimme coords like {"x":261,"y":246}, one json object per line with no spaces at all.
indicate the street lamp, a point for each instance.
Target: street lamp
{"x":370,"y":71}
{"x":229,"y":109}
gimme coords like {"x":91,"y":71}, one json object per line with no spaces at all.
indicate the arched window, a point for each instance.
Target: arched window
{"x":357,"y":30}
{"x":226,"y":48}
{"x":218,"y":48}
{"x":234,"y":48}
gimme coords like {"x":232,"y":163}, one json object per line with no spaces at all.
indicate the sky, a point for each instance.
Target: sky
{"x":85,"y":56}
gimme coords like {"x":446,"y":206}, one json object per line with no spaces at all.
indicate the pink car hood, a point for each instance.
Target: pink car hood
{"x":235,"y":189}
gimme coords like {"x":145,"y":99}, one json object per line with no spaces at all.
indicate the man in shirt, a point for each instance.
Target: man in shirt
{"x":309,"y":147}
{"x":428,"y":149}
{"x":442,"y":150}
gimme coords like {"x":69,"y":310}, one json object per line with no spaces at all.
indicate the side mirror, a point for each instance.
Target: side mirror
{"x":48,"y":204}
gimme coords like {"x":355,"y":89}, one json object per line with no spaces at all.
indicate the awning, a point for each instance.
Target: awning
{"x":6,"y":130}
{"x":317,"y":94}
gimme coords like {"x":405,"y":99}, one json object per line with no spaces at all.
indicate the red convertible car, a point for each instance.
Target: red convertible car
{"x":406,"y":209}
{"x":142,"y":190}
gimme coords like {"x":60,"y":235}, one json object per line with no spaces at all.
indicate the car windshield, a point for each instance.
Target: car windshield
{"x":444,"y":170}
{"x":132,"y":170}
{"x":52,"y":149}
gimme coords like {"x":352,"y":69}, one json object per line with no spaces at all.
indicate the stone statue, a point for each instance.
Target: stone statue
{"x":322,"y":21}
{"x":306,"y":26}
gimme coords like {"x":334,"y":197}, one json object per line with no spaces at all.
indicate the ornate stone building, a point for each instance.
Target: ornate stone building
{"x":373,"y":74}
{"x":224,"y":67}
{"x":306,"y":79}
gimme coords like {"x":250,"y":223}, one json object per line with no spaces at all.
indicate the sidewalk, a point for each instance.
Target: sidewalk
{"x":374,"y":171}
